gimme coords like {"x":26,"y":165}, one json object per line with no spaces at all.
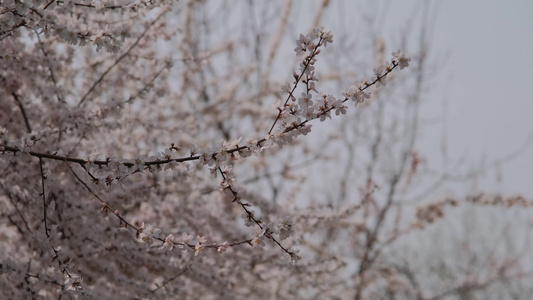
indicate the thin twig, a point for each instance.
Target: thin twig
{"x":49,"y":67}
{"x":45,"y":207}
{"x":23,"y":111}
{"x":119,"y":59}
{"x":170,"y":279}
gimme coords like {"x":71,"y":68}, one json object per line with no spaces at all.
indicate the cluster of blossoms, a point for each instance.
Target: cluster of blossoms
{"x":296,"y":112}
{"x":55,"y":18}
{"x":307,"y":42}
{"x":357,"y":92}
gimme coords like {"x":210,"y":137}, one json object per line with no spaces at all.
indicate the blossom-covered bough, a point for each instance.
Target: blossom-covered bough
{"x":293,"y":117}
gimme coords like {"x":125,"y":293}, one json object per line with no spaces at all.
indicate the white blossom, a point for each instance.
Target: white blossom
{"x":400,"y":59}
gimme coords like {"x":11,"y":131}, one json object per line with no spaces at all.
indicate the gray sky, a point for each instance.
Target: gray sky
{"x":481,"y":96}
{"x":487,"y":82}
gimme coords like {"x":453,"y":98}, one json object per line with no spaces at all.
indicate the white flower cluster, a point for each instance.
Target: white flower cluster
{"x":307,"y":42}
{"x":400,"y":59}
{"x":283,"y":230}
{"x":147,"y":233}
{"x":55,"y":18}
{"x":358,"y":92}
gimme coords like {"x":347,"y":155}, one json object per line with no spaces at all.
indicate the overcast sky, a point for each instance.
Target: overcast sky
{"x":491,"y":107}
{"x":485,"y":85}
{"x":489,"y":70}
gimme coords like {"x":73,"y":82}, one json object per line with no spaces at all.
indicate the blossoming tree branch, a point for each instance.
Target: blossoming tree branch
{"x":293,"y":117}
